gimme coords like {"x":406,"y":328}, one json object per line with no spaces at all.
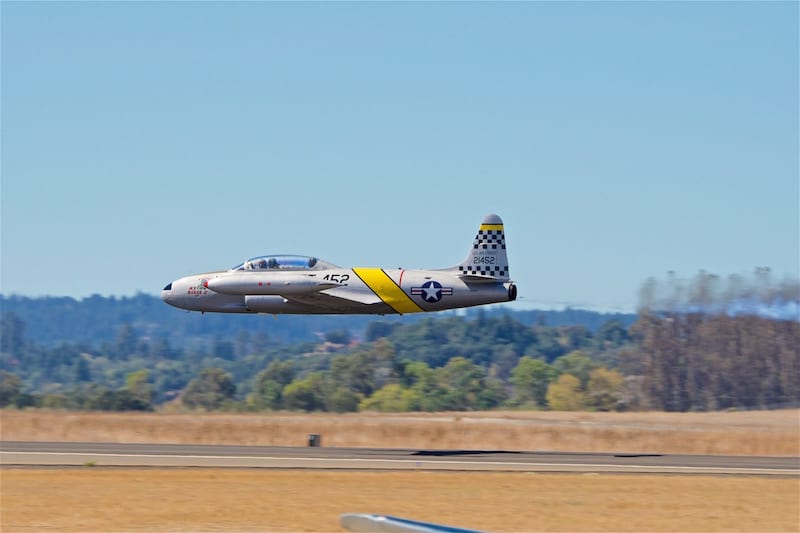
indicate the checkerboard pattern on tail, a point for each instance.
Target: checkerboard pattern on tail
{"x":488,"y":255}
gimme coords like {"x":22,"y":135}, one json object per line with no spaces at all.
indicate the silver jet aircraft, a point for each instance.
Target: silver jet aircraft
{"x":278,"y":284}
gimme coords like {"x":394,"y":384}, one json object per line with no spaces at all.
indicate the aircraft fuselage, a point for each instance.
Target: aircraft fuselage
{"x":292,"y":284}
{"x":354,"y":291}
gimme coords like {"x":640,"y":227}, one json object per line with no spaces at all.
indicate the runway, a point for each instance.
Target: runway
{"x":68,"y":454}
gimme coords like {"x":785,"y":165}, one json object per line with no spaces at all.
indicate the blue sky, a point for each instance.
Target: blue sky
{"x":145,"y":141}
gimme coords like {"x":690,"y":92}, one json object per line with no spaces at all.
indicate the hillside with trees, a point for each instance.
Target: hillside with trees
{"x":52,"y":320}
{"x":684,"y":351}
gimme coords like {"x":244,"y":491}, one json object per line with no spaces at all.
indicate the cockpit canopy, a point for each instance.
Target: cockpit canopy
{"x":284,"y":262}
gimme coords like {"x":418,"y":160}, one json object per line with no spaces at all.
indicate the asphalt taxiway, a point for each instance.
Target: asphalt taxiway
{"x":65,"y":454}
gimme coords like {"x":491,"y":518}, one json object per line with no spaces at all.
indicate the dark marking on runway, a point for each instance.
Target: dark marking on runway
{"x":455,"y":453}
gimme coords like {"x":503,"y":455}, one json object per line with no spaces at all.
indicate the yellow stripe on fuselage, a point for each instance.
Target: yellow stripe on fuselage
{"x":388,"y":291}
{"x":486,"y":227}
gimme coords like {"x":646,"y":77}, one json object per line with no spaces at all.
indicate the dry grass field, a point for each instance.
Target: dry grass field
{"x":727,"y":433}
{"x":113,"y":499}
{"x":102,"y":500}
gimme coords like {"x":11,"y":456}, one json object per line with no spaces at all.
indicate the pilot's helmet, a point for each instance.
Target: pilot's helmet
{"x":273,"y":263}
{"x":311,"y":262}
{"x":262,"y":263}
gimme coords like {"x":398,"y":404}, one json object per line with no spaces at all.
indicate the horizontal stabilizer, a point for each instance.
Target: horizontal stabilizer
{"x":479,"y":278}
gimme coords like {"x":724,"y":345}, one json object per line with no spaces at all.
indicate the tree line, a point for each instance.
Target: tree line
{"x":448,"y":363}
{"x":693,"y":355}
{"x":97,"y":319}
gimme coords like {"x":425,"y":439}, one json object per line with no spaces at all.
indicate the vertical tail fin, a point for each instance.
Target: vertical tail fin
{"x":487,"y":259}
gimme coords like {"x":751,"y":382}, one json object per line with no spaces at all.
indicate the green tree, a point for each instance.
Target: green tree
{"x":612,"y":333}
{"x":392,"y":398}
{"x":379,"y":330}
{"x":210,"y":390}
{"x":468,"y":387}
{"x":118,"y":400}
{"x":138,"y":384}
{"x":160,"y":349}
{"x":306,"y":394}
{"x":576,"y":363}
{"x":530,"y":378}
{"x":82,"y":371}
{"x":12,"y":334}
{"x":269,"y":395}
{"x":548,"y":344}
{"x":418,"y":373}
{"x":342,"y":400}
{"x":241,"y":344}
{"x":605,"y":389}
{"x":126,"y":342}
{"x":366,"y":369}
{"x":282,"y":372}
{"x":223,"y":349}
{"x":565,"y":394}
{"x":576,"y":337}
{"x":338,"y":336}
{"x":260,"y":343}
{"x":426,"y":392}
{"x":55,"y":401}
{"x":10,"y":388}
{"x":269,"y":384}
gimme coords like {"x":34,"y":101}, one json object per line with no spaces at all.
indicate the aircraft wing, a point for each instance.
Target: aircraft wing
{"x":346,"y":293}
{"x":337,"y":299}
{"x":392,"y":524}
